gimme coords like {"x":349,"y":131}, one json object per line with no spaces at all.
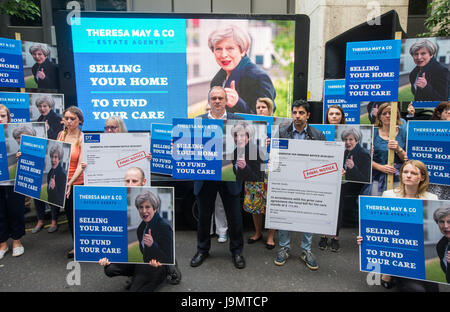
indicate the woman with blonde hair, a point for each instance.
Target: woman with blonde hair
{"x":413,"y":184}
{"x":115,"y":124}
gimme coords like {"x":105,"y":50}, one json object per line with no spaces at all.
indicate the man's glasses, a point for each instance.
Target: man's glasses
{"x":214,"y":98}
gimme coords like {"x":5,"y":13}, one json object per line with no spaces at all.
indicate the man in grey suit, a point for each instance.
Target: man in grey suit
{"x":206,"y":191}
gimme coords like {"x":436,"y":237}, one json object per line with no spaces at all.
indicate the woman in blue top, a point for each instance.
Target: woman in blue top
{"x":382,"y":144}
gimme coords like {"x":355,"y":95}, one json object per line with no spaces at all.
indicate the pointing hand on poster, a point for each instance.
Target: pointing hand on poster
{"x":421,"y":81}
{"x":411,"y":110}
{"x":241,"y":162}
{"x":148,"y":239}
{"x":350,"y":163}
{"x":41,"y":74}
{"x":51,"y":184}
{"x":232,"y":95}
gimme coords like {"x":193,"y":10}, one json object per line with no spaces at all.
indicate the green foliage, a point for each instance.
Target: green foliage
{"x":134,"y":253}
{"x":24,"y":9}
{"x":284,"y":97}
{"x":438,"y":22}
{"x":284,"y":44}
{"x":433,"y":271}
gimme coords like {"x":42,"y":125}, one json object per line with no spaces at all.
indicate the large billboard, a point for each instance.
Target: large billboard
{"x":150,"y":68}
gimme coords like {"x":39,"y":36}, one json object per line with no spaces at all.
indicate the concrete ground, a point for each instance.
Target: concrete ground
{"x":45,"y":268}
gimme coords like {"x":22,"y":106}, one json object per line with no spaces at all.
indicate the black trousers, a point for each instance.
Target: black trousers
{"x":68,"y":209}
{"x":206,"y":200}
{"x":12,"y":214}
{"x":40,"y":210}
{"x":145,"y":277}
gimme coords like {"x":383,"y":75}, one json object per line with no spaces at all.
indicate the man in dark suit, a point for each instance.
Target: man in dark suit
{"x":206,"y":191}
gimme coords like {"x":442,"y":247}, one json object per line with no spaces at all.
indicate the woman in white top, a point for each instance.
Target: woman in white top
{"x":414,"y":182}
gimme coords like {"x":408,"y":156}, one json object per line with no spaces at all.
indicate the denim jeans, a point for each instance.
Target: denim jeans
{"x":285,"y":240}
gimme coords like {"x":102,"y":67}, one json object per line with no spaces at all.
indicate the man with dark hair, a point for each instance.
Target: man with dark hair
{"x":299,"y":130}
{"x":206,"y":192}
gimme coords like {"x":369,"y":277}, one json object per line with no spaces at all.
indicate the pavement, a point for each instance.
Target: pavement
{"x":44,"y":268}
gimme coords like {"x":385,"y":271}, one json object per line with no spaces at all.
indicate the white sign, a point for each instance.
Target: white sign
{"x":304,"y":185}
{"x":109,"y":155}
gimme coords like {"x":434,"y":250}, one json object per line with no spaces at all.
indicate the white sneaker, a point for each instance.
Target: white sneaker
{"x":222,"y":238}
{"x":18,"y":251}
{"x":3,"y":252}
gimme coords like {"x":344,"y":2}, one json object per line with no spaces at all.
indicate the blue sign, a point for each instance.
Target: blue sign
{"x":132,"y":68}
{"x":334,"y":94}
{"x":197,"y":149}
{"x":4,"y":173}
{"x":161,"y":136}
{"x":329,"y":131}
{"x":18,"y":105}
{"x":372,"y":71}
{"x":429,"y":142}
{"x":11,"y":64}
{"x":423,"y":104}
{"x":393,"y":236}
{"x":280,"y":143}
{"x":30,"y":166}
{"x":92,"y":138}
{"x":100,"y":223}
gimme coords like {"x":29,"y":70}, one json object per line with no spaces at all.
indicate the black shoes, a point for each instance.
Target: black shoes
{"x":198,"y":259}
{"x":252,"y":241}
{"x":173,"y":274}
{"x":239,"y":261}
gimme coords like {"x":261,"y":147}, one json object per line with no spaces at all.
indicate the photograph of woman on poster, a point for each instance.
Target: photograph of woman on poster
{"x":247,"y":162}
{"x":430,"y":80}
{"x":154,"y":233}
{"x":56,"y":176}
{"x":357,"y":160}
{"x":46,"y":104}
{"x":243,"y":80}
{"x":442,"y":218}
{"x":45,"y":72}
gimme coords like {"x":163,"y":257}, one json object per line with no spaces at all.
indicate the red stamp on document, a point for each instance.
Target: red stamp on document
{"x":131,"y":159}
{"x":314,"y":172}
